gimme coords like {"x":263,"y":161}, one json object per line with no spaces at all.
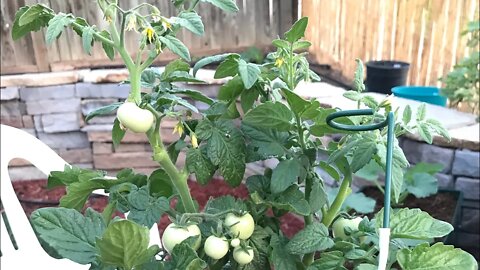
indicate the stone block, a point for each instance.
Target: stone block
{"x":133,"y":147}
{"x":28,"y":121}
{"x":13,"y":121}
{"x":9,"y":93}
{"x":421,"y":152}
{"x":106,"y":90}
{"x":466,"y":163}
{"x":109,"y":119}
{"x":101,"y":148}
{"x":445,"y":181}
{"x":25,"y":173}
{"x":19,"y":162}
{"x":12,"y":108}
{"x":49,"y":106}
{"x":37,"y":122}
{"x":60,"y":122}
{"x":469,"y":186}
{"x":89,"y":105}
{"x":40,"y":79}
{"x":65,"y":91}
{"x":124,"y":160}
{"x":73,"y":156}
{"x":68,"y":140}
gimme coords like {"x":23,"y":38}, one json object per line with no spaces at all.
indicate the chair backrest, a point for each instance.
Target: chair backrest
{"x":16,"y":143}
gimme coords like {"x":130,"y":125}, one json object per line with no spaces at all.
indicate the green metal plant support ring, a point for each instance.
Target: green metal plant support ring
{"x":390,"y":122}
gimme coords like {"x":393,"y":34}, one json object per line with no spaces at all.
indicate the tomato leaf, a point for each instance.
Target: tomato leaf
{"x":248,"y":72}
{"x":225,"y":148}
{"x":226,"y":5}
{"x":438,"y":256}
{"x":87,"y":39}
{"x":285,"y":174}
{"x":313,"y":237}
{"x":297,"y":31}
{"x":209,"y":60}
{"x":64,"y":228}
{"x":229,"y":67}
{"x":270,"y":115}
{"x":56,"y":27}
{"x":191,"y":21}
{"x":103,"y":110}
{"x":107,"y":48}
{"x":35,"y":23}
{"x":117,"y":133}
{"x":176,"y":46}
{"x":199,"y":164}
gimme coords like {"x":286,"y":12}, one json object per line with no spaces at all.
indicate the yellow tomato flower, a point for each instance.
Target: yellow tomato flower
{"x":178,"y":129}
{"x":149,"y":32}
{"x":194,"y":140}
{"x":166,"y":24}
{"x":279,"y":62}
{"x":132,"y":23}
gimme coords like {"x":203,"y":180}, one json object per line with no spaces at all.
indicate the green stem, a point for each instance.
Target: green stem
{"x":193,"y":5}
{"x":343,"y":193}
{"x":135,"y":84}
{"x":97,"y":35}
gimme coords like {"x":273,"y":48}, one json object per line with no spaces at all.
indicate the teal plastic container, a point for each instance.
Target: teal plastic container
{"x":427,"y":94}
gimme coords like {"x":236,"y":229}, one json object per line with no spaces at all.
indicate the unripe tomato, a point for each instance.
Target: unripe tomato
{"x":174,"y":235}
{"x":235,"y":242}
{"x":241,"y":256}
{"x":134,"y":118}
{"x":216,"y":247}
{"x":240,"y":226}
{"x":341,"y":223}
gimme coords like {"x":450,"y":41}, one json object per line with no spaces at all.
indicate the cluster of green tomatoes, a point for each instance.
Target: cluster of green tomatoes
{"x":216,"y":246}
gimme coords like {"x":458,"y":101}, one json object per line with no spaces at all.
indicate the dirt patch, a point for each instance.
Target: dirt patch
{"x":34,"y":195}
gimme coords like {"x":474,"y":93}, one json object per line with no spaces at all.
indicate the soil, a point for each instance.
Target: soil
{"x":34,"y":195}
{"x":440,"y":206}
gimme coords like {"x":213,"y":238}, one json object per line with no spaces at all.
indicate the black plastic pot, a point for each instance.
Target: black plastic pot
{"x":383,"y":75}
{"x":457,"y":214}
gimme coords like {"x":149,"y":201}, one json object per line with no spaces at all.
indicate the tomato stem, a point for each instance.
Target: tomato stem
{"x":343,"y":193}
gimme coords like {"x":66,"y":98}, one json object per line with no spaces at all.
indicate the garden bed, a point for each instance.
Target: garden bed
{"x":34,"y":195}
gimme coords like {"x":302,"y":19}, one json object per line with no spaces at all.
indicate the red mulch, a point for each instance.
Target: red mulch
{"x":35,"y":195}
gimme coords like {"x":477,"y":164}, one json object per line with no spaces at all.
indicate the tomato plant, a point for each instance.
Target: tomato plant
{"x":271,"y":121}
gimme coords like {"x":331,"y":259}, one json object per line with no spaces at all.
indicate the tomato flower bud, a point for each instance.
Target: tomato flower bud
{"x":178,"y":129}
{"x":149,"y":32}
{"x":194,"y":140}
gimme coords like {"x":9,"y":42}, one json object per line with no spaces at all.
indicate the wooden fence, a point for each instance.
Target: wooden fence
{"x":256,"y":24}
{"x":425,"y":33}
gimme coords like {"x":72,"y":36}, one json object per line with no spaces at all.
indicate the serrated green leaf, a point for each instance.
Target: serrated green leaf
{"x":78,"y":192}
{"x":41,"y":20}
{"x":312,"y":238}
{"x":436,"y":257}
{"x":69,"y":233}
{"x":270,"y":115}
{"x":176,"y":46}
{"x":285,"y":174}
{"x":248,"y":98}
{"x":225,"y":148}
{"x":191,"y":21}
{"x":266,"y":141}
{"x":414,"y":224}
{"x":318,"y":197}
{"x":358,"y":77}
{"x":184,"y":257}
{"x":407,"y":115}
{"x":71,"y":174}
{"x":226,"y":5}
{"x":297,"y":31}
{"x":117,"y":133}
{"x":229,"y":67}
{"x":107,"y":48}
{"x":421,"y":112}
{"x":209,"y":60}
{"x":248,"y":72}
{"x":363,"y":153}
{"x":424,"y":132}
{"x":87,"y":39}
{"x":301,"y":45}
{"x":124,"y":244}
{"x":176,"y":65}
{"x":224,"y":203}
{"x":281,"y":259}
{"x":199,"y":164}
{"x":280,"y":43}
{"x":56,"y":27}
{"x":330,"y":170}
{"x":369,"y":101}
{"x":296,"y":103}
{"x":167,"y":98}
{"x":160,"y":184}
{"x":352,"y":95}
{"x":332,"y":260}
{"x":292,"y":200}
{"x":422,"y":185}
{"x":32,"y":14}
{"x":145,"y":209}
{"x":103,"y":110}
{"x":231,"y":90}
{"x":439,"y":128}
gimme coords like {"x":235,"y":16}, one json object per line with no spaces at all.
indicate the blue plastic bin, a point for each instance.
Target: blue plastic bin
{"x":427,"y":94}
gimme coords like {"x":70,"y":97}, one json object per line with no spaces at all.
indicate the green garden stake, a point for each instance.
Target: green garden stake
{"x":384,"y":232}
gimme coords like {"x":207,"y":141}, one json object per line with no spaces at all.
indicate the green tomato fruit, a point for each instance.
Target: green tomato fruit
{"x":241,"y":256}
{"x":174,"y":235}
{"x":240,"y":226}
{"x":216,"y":247}
{"x":134,"y":118}
{"x":235,"y":242}
{"x":341,"y":223}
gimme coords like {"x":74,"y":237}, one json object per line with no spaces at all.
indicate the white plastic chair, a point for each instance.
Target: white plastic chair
{"x":16,"y":143}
